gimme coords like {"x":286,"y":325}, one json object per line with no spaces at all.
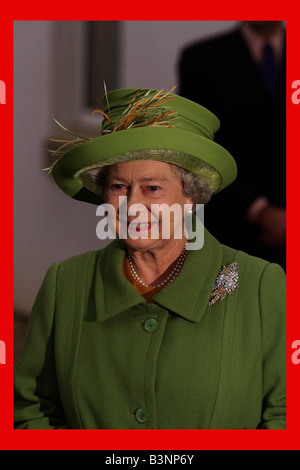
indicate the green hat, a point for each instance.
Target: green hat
{"x":142,"y":124}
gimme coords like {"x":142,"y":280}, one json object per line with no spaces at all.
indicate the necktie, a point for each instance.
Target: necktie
{"x":269,"y":69}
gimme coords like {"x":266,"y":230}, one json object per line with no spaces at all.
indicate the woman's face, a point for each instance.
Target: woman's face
{"x":146,"y":183}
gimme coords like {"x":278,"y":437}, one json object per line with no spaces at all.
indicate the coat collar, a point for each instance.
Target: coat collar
{"x":187,"y":296}
{"x":114,"y":293}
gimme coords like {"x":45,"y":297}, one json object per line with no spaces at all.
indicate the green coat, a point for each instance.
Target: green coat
{"x":93,"y":360}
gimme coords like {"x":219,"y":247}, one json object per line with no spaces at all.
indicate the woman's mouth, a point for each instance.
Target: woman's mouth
{"x":140,"y":227}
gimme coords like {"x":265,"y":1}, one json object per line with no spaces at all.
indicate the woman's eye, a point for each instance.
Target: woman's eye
{"x":153,"y":188}
{"x":118,"y":186}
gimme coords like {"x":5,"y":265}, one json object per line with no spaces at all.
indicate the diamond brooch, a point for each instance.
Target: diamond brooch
{"x":226,"y":283}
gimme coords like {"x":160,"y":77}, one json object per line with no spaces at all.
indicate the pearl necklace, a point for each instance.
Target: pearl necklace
{"x":168,"y":279}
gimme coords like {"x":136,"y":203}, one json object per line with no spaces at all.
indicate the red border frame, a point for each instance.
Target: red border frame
{"x":156,"y":439}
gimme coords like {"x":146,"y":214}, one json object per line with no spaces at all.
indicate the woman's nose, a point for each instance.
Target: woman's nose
{"x":135,"y":203}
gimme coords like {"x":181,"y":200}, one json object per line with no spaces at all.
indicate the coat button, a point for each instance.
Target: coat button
{"x":141,"y":415}
{"x":150,"y":325}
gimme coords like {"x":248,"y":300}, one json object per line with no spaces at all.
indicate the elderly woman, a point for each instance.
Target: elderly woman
{"x":149,"y":333}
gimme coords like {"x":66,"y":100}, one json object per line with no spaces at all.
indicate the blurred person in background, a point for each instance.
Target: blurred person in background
{"x":240,"y":76}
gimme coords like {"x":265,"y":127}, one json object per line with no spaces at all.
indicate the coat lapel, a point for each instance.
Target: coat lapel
{"x":189,"y":294}
{"x":114,"y":293}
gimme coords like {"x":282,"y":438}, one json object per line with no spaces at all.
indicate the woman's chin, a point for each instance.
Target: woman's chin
{"x":149,"y":244}
{"x":140,"y":236}
{"x":142,"y":244}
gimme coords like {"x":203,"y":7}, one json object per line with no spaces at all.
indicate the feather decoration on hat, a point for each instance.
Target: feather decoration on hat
{"x":65,"y":144}
{"x":143,"y":112}
{"x":147,"y":111}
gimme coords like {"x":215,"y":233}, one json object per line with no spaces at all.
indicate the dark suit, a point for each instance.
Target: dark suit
{"x":221,"y":75}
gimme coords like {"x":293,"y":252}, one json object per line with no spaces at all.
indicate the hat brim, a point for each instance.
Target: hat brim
{"x":195,"y":153}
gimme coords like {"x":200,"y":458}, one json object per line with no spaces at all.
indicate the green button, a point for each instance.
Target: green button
{"x":141,"y":415}
{"x":150,"y":325}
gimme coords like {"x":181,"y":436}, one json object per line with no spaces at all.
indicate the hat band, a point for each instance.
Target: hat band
{"x":179,"y":121}
{"x":88,"y":175}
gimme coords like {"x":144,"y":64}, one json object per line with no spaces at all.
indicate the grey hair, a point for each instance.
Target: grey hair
{"x":193,"y":186}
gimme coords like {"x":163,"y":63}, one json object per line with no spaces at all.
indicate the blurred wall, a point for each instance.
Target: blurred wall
{"x":49,"y":73}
